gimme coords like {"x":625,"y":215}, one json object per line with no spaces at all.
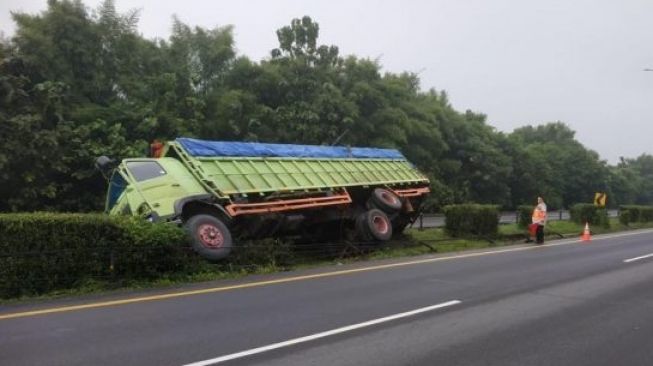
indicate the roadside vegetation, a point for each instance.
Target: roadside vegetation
{"x":436,"y":240}
{"x":50,"y":255}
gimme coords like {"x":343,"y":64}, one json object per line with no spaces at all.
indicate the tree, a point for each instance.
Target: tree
{"x":75,"y":84}
{"x":633,"y":180}
{"x":562,"y":169}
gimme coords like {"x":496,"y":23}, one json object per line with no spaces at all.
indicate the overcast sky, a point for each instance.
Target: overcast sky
{"x":518,"y":61}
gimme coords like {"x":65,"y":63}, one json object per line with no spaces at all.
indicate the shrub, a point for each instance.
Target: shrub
{"x":582,"y":213}
{"x":471,"y":219}
{"x":624,"y":217}
{"x":646,"y":214}
{"x":41,"y":252}
{"x":633,"y":212}
{"x":638,"y":213}
{"x":524,"y":215}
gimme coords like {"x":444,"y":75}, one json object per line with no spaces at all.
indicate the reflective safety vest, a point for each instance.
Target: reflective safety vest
{"x":539,"y":215}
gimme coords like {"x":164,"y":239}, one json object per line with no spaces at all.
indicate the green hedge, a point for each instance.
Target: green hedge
{"x":636,"y":213}
{"x":646,"y":214}
{"x":42,"y":252}
{"x":524,"y":215}
{"x":471,"y":219}
{"x":582,"y":213}
{"x":632,"y":212}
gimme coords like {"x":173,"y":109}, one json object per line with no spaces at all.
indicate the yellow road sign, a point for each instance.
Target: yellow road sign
{"x":600,"y":198}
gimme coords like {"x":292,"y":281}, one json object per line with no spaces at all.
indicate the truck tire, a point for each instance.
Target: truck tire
{"x":210,"y":237}
{"x":362,"y":231}
{"x":386,"y":200}
{"x":378,"y":224}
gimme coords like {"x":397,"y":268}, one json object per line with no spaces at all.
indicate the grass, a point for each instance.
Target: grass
{"x":509,"y":234}
{"x":415,"y":242}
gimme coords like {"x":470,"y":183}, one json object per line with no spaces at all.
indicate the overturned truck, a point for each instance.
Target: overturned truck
{"x":222,"y":191}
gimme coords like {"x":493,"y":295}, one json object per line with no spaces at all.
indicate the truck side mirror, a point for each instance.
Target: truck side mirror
{"x":105,"y":164}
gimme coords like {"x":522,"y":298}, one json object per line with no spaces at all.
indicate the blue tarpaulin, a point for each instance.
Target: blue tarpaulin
{"x":205,"y":148}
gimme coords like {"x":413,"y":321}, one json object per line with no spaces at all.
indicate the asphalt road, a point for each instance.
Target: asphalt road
{"x":564,"y":303}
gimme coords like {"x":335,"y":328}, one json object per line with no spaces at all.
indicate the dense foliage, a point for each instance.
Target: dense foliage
{"x":76,"y":83}
{"x":471,"y":219}
{"x":635,"y":213}
{"x":524,"y":215}
{"x":586,"y":213}
{"x":42,"y":252}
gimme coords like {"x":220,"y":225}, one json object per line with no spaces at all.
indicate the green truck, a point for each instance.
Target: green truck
{"x":225,"y":191}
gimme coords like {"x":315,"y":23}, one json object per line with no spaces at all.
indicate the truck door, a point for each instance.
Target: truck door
{"x":159,"y":188}
{"x":120,"y":198}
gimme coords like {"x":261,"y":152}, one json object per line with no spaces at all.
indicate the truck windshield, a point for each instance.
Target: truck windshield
{"x":144,"y":170}
{"x":117,"y":185}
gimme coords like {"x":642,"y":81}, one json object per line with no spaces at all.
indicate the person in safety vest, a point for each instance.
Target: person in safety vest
{"x":539,"y":219}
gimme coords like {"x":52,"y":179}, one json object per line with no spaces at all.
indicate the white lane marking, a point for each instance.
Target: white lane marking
{"x":313,"y":337}
{"x":638,"y":258}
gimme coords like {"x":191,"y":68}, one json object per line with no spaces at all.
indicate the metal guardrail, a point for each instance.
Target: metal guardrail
{"x":437,"y":220}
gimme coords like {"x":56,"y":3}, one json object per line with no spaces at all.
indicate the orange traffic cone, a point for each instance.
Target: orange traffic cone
{"x":586,"y":233}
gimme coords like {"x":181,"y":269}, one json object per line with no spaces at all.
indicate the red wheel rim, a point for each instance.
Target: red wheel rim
{"x":210,"y":236}
{"x":389,"y":198}
{"x":381,"y":224}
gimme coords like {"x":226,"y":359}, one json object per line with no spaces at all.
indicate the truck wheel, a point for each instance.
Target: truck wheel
{"x":362,"y":232}
{"x":210,"y":237}
{"x":378,"y":224}
{"x":386,"y":200}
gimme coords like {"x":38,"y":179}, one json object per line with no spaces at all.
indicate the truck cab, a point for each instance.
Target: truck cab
{"x":149,"y":188}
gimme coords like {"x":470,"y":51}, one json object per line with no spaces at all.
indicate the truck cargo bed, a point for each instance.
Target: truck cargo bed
{"x":246,"y":175}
